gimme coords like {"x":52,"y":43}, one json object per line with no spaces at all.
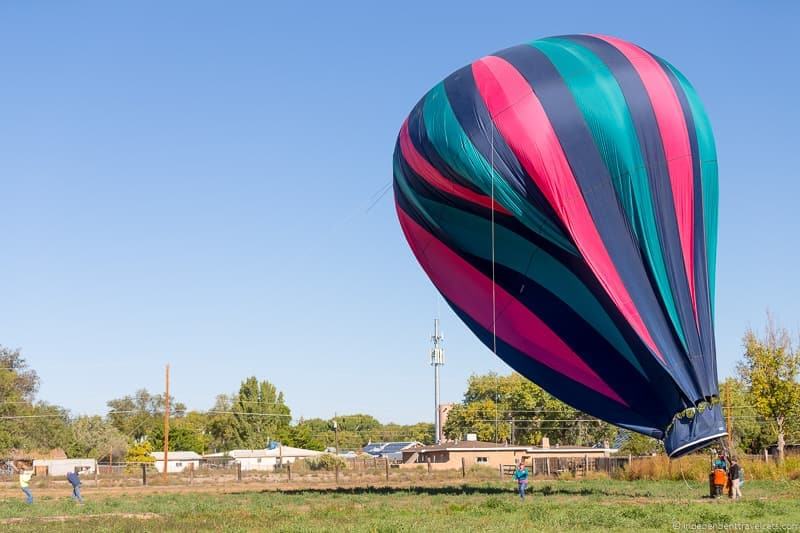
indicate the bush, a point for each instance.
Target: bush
{"x":325,"y":462}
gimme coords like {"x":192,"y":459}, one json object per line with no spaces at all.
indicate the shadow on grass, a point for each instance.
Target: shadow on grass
{"x":459,"y":490}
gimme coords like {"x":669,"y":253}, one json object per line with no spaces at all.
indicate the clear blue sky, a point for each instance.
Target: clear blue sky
{"x":187,"y":183}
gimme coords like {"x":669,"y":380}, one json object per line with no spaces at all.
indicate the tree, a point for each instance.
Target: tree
{"x":221,"y":428}
{"x":91,"y":436}
{"x":138,"y":415}
{"x":27,"y":425}
{"x":638,"y":444}
{"x":181,"y":439}
{"x":140,"y":453}
{"x":770,"y":369}
{"x":513,"y":409}
{"x":259,"y":413}
{"x":750,"y":432}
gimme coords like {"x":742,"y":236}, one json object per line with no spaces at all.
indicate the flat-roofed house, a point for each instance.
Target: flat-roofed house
{"x":449,"y":455}
{"x":176,"y":461}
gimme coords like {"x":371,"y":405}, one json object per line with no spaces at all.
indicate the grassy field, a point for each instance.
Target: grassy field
{"x":552,"y":505}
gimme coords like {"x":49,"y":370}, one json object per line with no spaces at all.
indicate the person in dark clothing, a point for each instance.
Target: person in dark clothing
{"x":735,"y":476}
{"x":75,"y":481}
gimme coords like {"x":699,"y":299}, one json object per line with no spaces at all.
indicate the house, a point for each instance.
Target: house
{"x":449,"y":455}
{"x":60,"y":467}
{"x":265,"y":459}
{"x":389,"y":450}
{"x":176,"y":461}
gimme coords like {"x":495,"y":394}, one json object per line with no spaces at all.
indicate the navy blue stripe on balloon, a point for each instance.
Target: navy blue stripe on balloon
{"x":592,"y":176}
{"x":565,"y":389}
{"x":702,"y":292}
{"x":471,"y":113}
{"x":652,"y":149}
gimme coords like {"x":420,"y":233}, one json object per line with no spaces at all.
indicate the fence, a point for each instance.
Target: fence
{"x":346,"y":471}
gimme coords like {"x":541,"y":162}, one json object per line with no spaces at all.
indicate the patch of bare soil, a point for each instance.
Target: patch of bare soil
{"x":65,"y":518}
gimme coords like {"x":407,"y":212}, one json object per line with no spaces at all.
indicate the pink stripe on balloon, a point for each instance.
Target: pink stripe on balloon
{"x":421,"y":166}
{"x":523,"y":123}
{"x":471,"y":291}
{"x":675,"y":138}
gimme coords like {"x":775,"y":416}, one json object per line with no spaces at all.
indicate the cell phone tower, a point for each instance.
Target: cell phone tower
{"x":437,"y":360}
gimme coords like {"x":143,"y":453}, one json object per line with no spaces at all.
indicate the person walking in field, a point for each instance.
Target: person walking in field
{"x":75,"y":481}
{"x":735,"y":476}
{"x":25,"y":476}
{"x":521,"y":475}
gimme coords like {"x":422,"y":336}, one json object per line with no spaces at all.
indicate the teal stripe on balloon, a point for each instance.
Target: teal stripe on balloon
{"x":456,"y":149}
{"x":602,"y":103}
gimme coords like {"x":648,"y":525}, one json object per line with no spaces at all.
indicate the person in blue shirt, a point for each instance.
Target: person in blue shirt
{"x":75,"y":481}
{"x":521,"y":475}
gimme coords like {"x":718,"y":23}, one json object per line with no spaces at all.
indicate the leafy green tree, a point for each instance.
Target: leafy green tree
{"x":770,"y":370}
{"x":260,"y":413}
{"x":91,"y":436}
{"x":638,"y":444}
{"x":139,"y":414}
{"x":140,"y":453}
{"x":751,"y":433}
{"x":496,"y":406}
{"x":18,"y":386}
{"x":220,"y":426}
{"x":181,"y":439}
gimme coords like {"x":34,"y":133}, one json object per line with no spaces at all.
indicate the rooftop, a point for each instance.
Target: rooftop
{"x":176,"y":456}
{"x":465,"y":445}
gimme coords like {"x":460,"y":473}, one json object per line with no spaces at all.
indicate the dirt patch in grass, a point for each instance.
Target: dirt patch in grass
{"x":71,"y":518}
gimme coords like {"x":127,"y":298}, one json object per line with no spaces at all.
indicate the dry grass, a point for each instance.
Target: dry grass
{"x":696,"y":468}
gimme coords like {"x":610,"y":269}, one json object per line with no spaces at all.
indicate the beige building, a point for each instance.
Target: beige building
{"x":449,"y":455}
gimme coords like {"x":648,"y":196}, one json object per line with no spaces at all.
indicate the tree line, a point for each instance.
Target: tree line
{"x":251,"y":418}
{"x":763,"y":400}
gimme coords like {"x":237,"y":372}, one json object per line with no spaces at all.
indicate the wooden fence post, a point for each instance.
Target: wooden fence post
{"x":289,"y":471}
{"x":337,"y":471}
{"x":387,"y":468}
{"x":501,"y":472}
{"x":533,"y":466}
{"x":191,"y":473}
{"x":96,"y":475}
{"x":429,"y":465}
{"x":463,"y":467}
{"x":238,"y":471}
{"x":144,"y":475}
{"x":547,"y":466}
{"x":585,"y":464}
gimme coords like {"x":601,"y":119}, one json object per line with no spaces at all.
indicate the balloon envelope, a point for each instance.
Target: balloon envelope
{"x":562,"y":197}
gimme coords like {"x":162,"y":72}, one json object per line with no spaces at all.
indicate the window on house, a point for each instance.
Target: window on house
{"x":178,"y":465}
{"x":258,"y":460}
{"x":482,"y":460}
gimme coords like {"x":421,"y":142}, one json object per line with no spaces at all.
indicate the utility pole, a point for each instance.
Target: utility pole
{"x":166,"y":426}
{"x":729,"y":418}
{"x":336,"y":434}
{"x":437,"y":360}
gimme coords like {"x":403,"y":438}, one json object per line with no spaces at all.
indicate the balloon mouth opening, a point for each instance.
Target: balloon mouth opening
{"x":694,"y":430}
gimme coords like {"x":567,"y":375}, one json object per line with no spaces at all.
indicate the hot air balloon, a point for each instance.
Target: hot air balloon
{"x":562,"y":197}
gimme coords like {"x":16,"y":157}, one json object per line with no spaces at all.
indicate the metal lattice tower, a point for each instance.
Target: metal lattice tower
{"x":437,"y":360}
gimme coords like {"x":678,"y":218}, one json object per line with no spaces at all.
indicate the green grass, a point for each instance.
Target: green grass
{"x":552,"y":505}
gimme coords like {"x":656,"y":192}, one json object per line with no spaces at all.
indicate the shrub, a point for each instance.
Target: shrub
{"x":325,"y":462}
